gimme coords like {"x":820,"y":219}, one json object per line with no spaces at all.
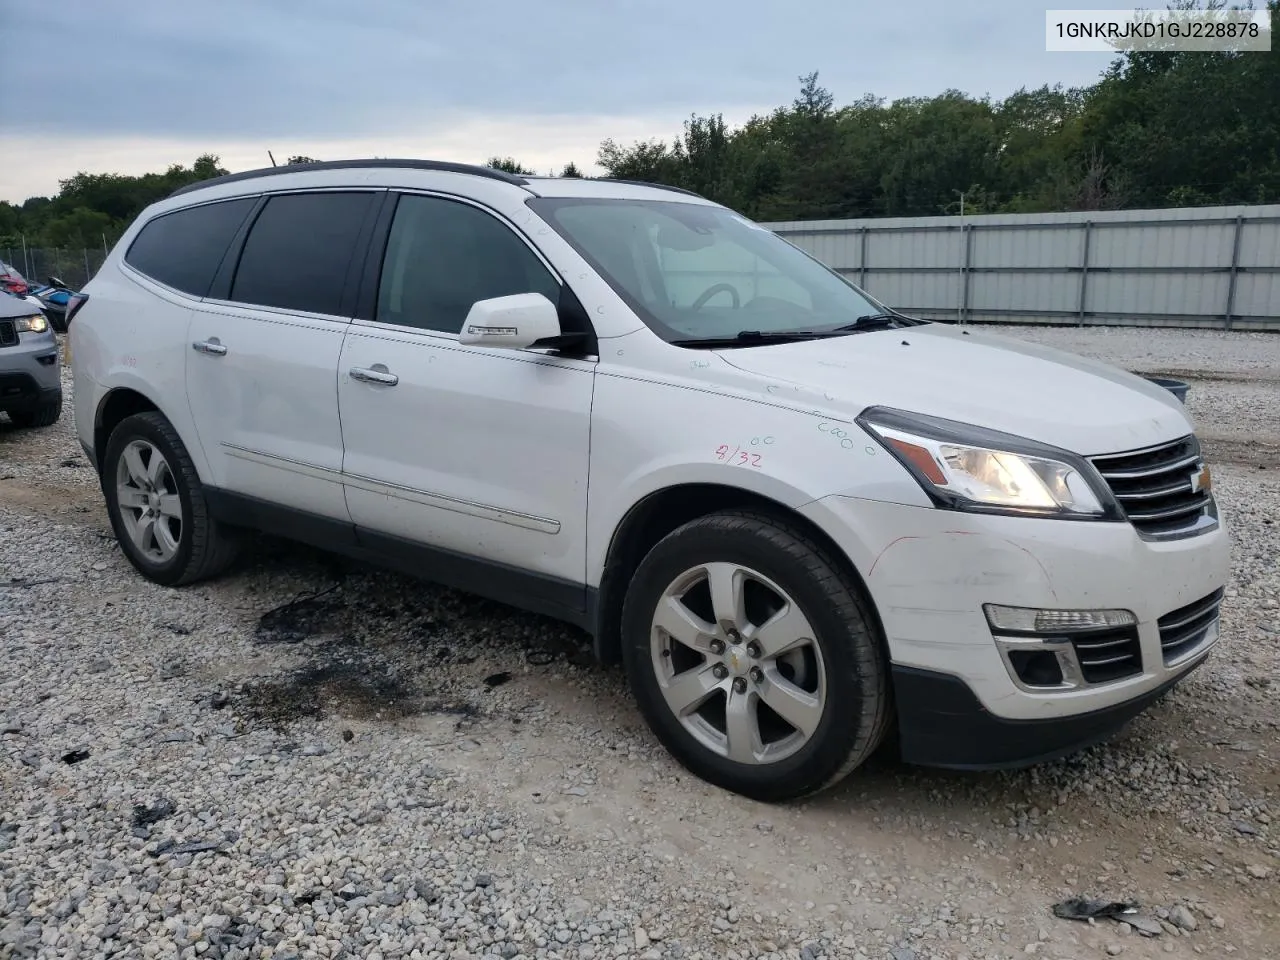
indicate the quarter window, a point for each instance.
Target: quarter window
{"x":299,"y":251}
{"x":183,"y":249}
{"x":442,"y":256}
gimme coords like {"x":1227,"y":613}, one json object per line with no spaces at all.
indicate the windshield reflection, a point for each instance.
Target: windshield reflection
{"x":698,"y":272}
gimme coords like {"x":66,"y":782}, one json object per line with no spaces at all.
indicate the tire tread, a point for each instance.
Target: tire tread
{"x":814,"y":561}
{"x":44,"y":415}
{"x":213,"y":547}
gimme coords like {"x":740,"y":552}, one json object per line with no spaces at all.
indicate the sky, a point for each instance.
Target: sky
{"x":130,"y":86}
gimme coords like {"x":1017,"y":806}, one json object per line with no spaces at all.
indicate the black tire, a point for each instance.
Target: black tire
{"x":45,"y":414}
{"x":857,"y":710}
{"x":205,"y":547}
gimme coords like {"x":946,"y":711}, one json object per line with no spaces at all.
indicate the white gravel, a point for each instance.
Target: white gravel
{"x":395,"y":770}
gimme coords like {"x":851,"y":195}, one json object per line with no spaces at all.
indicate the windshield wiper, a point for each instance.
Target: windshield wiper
{"x":743,"y":337}
{"x":870,"y":320}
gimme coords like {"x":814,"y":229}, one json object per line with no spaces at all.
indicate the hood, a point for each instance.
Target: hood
{"x":12,"y":307}
{"x":1060,"y":398}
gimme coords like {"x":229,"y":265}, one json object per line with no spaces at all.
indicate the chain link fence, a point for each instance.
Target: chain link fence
{"x":74,"y":266}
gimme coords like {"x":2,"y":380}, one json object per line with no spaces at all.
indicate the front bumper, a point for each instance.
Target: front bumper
{"x":942,"y":724}
{"x":30,"y":371}
{"x":930,"y":571}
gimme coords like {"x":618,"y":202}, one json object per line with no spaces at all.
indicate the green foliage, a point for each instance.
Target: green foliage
{"x":90,"y":206}
{"x":1158,"y":129}
{"x":293,"y":160}
{"x":510,"y":165}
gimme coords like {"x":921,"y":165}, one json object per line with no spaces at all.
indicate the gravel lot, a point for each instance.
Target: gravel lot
{"x":389,"y":769}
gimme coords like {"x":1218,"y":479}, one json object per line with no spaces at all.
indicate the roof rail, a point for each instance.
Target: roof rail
{"x":656,"y":186}
{"x":442,"y":165}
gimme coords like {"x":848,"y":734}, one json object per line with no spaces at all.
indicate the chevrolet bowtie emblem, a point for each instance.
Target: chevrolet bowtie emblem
{"x":1202,"y":481}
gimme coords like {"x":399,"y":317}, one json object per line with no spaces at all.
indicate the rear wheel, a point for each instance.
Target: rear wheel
{"x":46,"y":414}
{"x":157,"y":505}
{"x":754,"y":658}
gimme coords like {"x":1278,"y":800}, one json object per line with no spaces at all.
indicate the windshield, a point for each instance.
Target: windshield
{"x":695,"y":272}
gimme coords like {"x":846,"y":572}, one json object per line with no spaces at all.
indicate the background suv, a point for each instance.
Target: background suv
{"x":30,"y":366}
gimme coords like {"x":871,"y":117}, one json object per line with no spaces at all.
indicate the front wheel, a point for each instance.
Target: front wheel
{"x":754,"y":658}
{"x":45,"y":414}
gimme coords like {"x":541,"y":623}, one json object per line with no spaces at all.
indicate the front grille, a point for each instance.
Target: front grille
{"x":8,"y":333}
{"x":1157,"y":487}
{"x":1107,"y":656}
{"x":1185,"y":629}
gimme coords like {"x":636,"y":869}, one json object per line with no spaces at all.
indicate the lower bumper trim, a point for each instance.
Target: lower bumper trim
{"x":942,"y":723}
{"x":21,"y":392}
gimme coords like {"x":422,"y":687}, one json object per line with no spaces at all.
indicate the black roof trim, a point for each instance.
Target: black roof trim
{"x":441,"y":165}
{"x":656,"y":186}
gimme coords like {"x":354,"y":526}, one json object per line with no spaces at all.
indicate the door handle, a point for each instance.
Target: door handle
{"x":375,"y":374}
{"x":213,"y":347}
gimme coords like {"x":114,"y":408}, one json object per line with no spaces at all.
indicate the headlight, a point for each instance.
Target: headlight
{"x":34,"y":324}
{"x":962,"y":467}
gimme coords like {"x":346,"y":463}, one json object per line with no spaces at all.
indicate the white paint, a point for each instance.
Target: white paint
{"x":533,"y":460}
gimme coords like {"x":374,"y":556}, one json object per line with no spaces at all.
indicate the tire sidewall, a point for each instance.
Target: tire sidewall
{"x":838,"y":733}
{"x":143,"y":427}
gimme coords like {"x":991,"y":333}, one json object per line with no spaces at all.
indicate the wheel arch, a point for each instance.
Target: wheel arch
{"x":117,"y":404}
{"x":659,"y":513}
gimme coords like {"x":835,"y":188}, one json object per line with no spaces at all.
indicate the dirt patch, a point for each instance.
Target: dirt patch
{"x":52,"y":499}
{"x":343,"y":680}
{"x":1246,"y":453}
{"x":301,"y":618}
{"x":373,"y":651}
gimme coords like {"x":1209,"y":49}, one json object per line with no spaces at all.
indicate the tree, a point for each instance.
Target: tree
{"x":1158,"y":128}
{"x":89,"y":205}
{"x":510,"y":165}
{"x":293,"y":160}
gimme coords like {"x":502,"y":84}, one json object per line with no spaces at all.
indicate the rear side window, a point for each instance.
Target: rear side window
{"x":183,"y":249}
{"x":298,"y":251}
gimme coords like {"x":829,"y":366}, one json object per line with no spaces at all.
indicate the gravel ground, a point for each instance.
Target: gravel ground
{"x":311,"y":759}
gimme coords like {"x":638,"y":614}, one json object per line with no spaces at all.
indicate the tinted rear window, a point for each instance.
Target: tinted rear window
{"x":298,"y":251}
{"x":183,"y":249}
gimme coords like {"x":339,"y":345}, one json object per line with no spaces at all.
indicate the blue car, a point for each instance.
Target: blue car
{"x":54,"y":295}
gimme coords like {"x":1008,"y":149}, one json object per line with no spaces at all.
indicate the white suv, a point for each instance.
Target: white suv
{"x":799,"y":519}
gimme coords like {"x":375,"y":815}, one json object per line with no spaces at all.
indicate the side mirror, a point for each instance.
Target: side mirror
{"x":516,"y":322}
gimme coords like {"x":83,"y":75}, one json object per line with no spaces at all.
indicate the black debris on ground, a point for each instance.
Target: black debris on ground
{"x":144,"y":815}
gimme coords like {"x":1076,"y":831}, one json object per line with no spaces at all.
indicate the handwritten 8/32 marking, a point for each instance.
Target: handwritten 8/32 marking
{"x":740,"y":457}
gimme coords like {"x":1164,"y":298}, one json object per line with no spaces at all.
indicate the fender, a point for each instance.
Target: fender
{"x":181,"y":420}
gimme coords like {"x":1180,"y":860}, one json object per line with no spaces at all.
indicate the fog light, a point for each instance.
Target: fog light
{"x":1037,"y":668}
{"x":1030,"y":620}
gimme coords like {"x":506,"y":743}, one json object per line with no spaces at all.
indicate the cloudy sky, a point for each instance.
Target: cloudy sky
{"x":133,"y":85}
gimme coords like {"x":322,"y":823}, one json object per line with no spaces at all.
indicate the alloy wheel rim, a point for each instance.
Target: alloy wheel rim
{"x":738,"y":664}
{"x":150,"y":507}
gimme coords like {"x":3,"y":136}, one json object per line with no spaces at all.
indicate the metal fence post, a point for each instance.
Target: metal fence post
{"x":964,"y":272}
{"x":862,"y":259}
{"x":1084,"y":273}
{"x":1235,"y":268}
